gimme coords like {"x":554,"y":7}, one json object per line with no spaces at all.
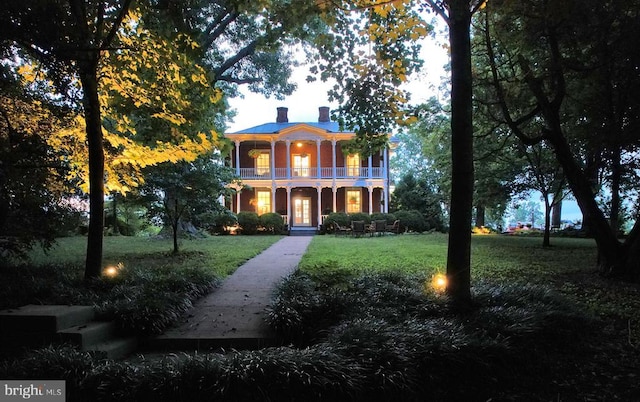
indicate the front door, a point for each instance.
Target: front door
{"x":302,"y":212}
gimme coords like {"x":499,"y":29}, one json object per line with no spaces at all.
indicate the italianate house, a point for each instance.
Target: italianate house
{"x":299,"y":170}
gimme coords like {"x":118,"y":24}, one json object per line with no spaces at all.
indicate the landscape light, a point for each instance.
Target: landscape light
{"x":439,"y":282}
{"x":112,"y":270}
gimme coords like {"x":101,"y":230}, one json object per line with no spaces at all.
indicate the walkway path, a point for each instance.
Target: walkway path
{"x":233,"y":315}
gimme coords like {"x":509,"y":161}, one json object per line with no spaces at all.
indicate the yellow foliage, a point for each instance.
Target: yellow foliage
{"x":148,"y":73}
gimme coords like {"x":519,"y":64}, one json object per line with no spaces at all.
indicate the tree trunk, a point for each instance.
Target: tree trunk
{"x":546,"y":239}
{"x":174,"y":224}
{"x":616,"y":173}
{"x":480,"y":211}
{"x":556,"y":215}
{"x":91,"y":104}
{"x":459,"y":247}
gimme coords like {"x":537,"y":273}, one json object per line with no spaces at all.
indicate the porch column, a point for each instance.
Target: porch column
{"x":319,"y":189}
{"x":383,"y":163}
{"x":370,"y":188}
{"x":238,"y":200}
{"x":272,"y":160}
{"x":237,"y":163}
{"x":289,"y":205}
{"x":288,"y":142}
{"x":319,"y":174}
{"x":369,"y":166}
{"x":273,"y":196}
{"x":385,"y":193}
{"x":334,"y":192}
{"x":333,"y":159}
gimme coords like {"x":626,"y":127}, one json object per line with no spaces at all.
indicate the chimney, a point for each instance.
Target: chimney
{"x":282,"y":115}
{"x":324,"y":114}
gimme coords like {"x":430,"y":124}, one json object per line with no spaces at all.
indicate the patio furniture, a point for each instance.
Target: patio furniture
{"x":379,"y":227}
{"x":358,"y":228}
{"x":395,"y":228}
{"x":340,"y":230}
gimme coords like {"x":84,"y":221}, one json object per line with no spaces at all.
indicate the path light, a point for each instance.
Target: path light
{"x":112,"y":270}
{"x":439,"y":283}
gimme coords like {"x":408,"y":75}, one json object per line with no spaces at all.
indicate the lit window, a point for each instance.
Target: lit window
{"x":354,"y":201}
{"x":263,"y":164}
{"x":353,"y":165}
{"x":301,"y":165}
{"x":264,"y":202}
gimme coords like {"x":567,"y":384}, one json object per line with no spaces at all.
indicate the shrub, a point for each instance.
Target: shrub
{"x":248,"y":222}
{"x":272,"y":222}
{"x":412,"y":221}
{"x":222,"y":220}
{"x":378,"y":216}
{"x":340,"y":218}
{"x":360,"y":216}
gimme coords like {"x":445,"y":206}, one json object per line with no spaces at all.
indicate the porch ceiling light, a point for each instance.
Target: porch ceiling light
{"x":299,"y":144}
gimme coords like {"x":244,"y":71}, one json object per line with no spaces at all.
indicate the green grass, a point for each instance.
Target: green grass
{"x":221,"y":254}
{"x":493,"y":256}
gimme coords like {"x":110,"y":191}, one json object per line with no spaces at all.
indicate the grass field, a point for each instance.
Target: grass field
{"x":221,"y":254}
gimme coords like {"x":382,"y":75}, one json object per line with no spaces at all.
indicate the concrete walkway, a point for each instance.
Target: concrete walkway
{"x":233,"y":315}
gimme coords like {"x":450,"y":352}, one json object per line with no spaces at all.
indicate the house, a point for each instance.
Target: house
{"x":300,"y":171}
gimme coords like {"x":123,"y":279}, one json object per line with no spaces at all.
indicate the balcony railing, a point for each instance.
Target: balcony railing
{"x":311,"y":173}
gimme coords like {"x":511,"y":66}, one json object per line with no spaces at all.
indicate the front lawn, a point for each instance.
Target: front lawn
{"x":362,"y":323}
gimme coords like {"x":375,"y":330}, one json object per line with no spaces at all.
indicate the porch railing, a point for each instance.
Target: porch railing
{"x":301,"y":173}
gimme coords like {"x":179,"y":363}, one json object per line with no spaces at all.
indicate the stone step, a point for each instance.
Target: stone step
{"x":116,"y":348}
{"x":88,"y":334}
{"x":43,"y":319}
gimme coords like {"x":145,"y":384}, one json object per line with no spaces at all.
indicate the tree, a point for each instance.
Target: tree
{"x":185,"y":189}
{"x":545,"y":175}
{"x":33,"y":176}
{"x":69,"y":38}
{"x":414,"y":192}
{"x":565,"y":74}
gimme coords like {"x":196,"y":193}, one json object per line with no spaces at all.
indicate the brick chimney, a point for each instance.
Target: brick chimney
{"x":323,"y":117}
{"x":282,"y":115}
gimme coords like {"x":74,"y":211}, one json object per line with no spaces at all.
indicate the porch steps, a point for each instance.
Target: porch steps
{"x":302,"y":231}
{"x":38,"y":325}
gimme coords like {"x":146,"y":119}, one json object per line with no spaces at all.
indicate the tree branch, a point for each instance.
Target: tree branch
{"x":439,"y":9}
{"x":116,"y":24}
{"x":220,"y":25}
{"x":244,"y":52}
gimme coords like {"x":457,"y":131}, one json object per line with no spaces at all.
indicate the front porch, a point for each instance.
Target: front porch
{"x":306,"y":207}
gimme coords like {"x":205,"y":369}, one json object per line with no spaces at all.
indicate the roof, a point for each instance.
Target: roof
{"x":271,"y":128}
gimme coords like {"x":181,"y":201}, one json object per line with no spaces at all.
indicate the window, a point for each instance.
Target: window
{"x":354,"y":201}
{"x":264,"y":202}
{"x":353,"y":165}
{"x":301,"y":165}
{"x":263,"y":164}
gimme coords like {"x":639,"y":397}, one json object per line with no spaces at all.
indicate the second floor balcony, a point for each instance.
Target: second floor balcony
{"x":312,"y":173}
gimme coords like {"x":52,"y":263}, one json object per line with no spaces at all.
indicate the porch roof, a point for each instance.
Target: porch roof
{"x":274,"y":128}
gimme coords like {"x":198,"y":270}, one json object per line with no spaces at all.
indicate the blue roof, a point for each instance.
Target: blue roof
{"x":270,"y":128}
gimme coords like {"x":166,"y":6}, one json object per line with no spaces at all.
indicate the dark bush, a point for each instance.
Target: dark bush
{"x":272,"y":222}
{"x":378,"y":216}
{"x":340,"y":218}
{"x":360,"y":216}
{"x":412,"y":221}
{"x":248,"y":222}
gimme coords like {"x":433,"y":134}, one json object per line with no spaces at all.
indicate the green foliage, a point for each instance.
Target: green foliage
{"x":217,"y":222}
{"x":340,"y":218}
{"x":411,"y":343}
{"x":360,"y":216}
{"x":272,"y":222}
{"x":416,"y":194}
{"x":249,"y":222}
{"x":412,"y":221}
{"x":379,"y":216}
